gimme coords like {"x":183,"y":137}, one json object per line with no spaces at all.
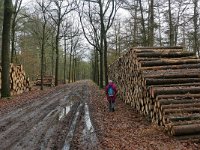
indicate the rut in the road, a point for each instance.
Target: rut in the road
{"x":48,"y":122}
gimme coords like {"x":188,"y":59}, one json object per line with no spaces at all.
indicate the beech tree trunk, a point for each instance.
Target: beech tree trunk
{"x":8,"y":8}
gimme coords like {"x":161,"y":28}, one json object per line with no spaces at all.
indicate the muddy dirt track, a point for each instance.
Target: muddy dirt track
{"x":75,"y":116}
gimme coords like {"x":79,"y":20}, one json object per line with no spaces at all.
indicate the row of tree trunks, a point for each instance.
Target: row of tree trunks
{"x":162,"y":83}
{"x":19,"y":83}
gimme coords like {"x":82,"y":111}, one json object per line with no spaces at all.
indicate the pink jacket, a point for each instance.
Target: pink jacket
{"x":114,"y":88}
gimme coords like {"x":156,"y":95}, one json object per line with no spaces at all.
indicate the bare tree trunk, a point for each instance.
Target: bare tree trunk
{"x":105,"y":59}
{"x":195,"y":27}
{"x":135,"y":24}
{"x":52,"y":58}
{"x":101,"y":67}
{"x":96,"y":67}
{"x":171,"y":31}
{"x":102,"y":51}
{"x":17,"y":7}
{"x":151,"y":23}
{"x":143,"y":25}
{"x":5,"y":76}
{"x":42,"y":54}
{"x":65,"y":59}
{"x":57,"y":54}
{"x":13,"y":41}
{"x":73,"y":69}
{"x":159,"y":28}
{"x":70,"y":61}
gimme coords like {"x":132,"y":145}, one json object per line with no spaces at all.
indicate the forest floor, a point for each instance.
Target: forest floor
{"x":75,"y":116}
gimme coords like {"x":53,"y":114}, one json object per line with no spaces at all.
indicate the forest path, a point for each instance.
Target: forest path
{"x":75,"y":116}
{"x":50,"y":121}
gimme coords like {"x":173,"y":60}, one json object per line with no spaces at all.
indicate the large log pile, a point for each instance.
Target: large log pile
{"x":163,"y":84}
{"x":19,"y":83}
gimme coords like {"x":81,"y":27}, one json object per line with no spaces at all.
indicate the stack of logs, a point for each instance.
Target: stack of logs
{"x":163,"y":84}
{"x":19,"y":83}
{"x":47,"y":81}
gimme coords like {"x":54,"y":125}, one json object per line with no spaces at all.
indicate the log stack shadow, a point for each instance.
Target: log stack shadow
{"x":163,"y":84}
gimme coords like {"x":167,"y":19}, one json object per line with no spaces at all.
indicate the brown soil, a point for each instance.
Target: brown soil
{"x":58,"y":118}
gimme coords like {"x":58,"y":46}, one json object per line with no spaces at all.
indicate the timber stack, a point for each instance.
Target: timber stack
{"x":163,"y":84}
{"x":47,"y":81}
{"x":19,"y":83}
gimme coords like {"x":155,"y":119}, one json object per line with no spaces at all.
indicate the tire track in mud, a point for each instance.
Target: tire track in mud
{"x":70,"y":134}
{"x":26,"y":121}
{"x":24,"y":124}
{"x":85,"y":136}
{"x":51,"y":122}
{"x":15,"y":114}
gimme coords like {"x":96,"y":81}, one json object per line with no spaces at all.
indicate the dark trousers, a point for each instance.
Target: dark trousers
{"x":111,"y":106}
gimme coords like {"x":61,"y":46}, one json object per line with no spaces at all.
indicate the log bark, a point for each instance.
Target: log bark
{"x":178,"y":96}
{"x":183,"y":66}
{"x":181,"y":110}
{"x":166,"y":75}
{"x":164,"y":62}
{"x":165,"y":55}
{"x":185,"y":129}
{"x":164,"y":81}
{"x":174,"y":90}
{"x":156,"y":58}
{"x":171,"y":48}
{"x":180,"y":106}
{"x":182,"y":117}
{"x":177,"y":101}
{"x":174,"y":85}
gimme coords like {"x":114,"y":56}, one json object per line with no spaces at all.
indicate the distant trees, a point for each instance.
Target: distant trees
{"x":100,"y":16}
{"x":43,"y":34}
{"x":15,"y":20}
{"x":164,"y":23}
{"x":58,"y":13}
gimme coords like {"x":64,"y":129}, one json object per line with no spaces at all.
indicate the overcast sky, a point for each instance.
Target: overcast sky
{"x":121,"y":12}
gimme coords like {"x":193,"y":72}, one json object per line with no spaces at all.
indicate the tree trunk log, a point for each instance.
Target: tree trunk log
{"x":185,"y":129}
{"x":156,"y":81}
{"x":165,"y":62}
{"x":177,"y":101}
{"x":166,"y":55}
{"x":183,"y":66}
{"x":174,"y":90}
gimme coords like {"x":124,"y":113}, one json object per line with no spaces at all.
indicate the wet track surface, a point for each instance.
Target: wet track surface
{"x":50,"y":122}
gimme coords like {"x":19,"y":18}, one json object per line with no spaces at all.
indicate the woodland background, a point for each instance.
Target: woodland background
{"x":78,"y":39}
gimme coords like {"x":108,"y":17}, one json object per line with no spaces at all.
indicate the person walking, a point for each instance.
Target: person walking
{"x":111,"y":92}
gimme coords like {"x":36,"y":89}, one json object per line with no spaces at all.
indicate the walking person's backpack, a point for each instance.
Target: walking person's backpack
{"x":110,"y":91}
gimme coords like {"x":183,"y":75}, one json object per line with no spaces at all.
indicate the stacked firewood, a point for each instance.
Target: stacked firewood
{"x":47,"y":81}
{"x":19,"y":83}
{"x":163,"y":84}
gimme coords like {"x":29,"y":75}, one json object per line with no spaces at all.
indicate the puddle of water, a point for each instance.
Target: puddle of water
{"x":64,"y":111}
{"x":71,"y":130}
{"x":88,"y":120}
{"x":88,"y":131}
